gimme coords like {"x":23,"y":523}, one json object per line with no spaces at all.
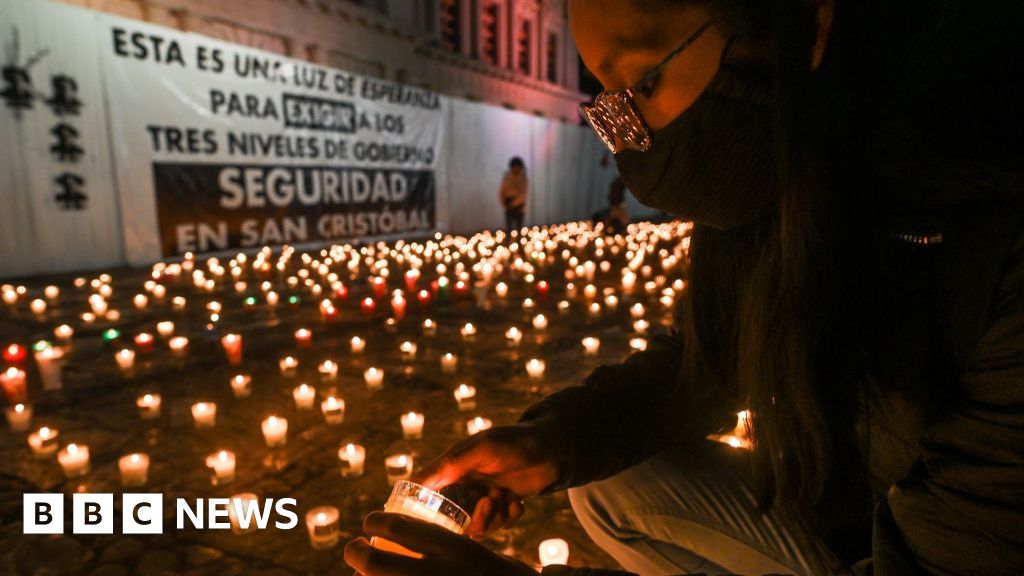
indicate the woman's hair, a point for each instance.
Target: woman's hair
{"x":516,"y":162}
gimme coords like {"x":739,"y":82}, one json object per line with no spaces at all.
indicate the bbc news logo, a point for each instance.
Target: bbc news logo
{"x":142,"y":513}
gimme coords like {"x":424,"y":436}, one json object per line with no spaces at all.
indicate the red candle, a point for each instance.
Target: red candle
{"x":423,"y":296}
{"x":341,"y":291}
{"x":232,"y":344}
{"x":367,"y":305}
{"x":328,"y":310}
{"x":144,"y":341}
{"x":398,"y":304}
{"x":14,"y":353}
{"x":542,"y":288}
{"x":380,"y":285}
{"x":461,"y":287}
{"x":303,"y":337}
{"x":410,"y":280}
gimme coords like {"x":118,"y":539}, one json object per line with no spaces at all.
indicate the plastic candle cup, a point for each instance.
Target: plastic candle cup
{"x":640,"y":325}
{"x":638,"y":344}
{"x":468,"y":331}
{"x":275,"y":431}
{"x":288,"y":366}
{"x":222,"y":467}
{"x":465,"y":397}
{"x":125,"y":360}
{"x":165,"y":329}
{"x":398,"y":305}
{"x":513,"y":336}
{"x":553,"y":551}
{"x":14,"y":353}
{"x":149,"y":406}
{"x":239,"y":507}
{"x":38,"y":306}
{"x":449,"y":363}
{"x":501,"y":290}
{"x":367,"y":305}
{"x":303,"y":337}
{"x":353,"y":460}
{"x":535,"y":368}
{"x":51,"y":292}
{"x":74,"y":460}
{"x":563,"y":307}
{"x":478,"y":424}
{"x":411,"y":499}
{"x":134,"y":469}
{"x":232,"y":344}
{"x":328,"y":370}
{"x":322,"y":524}
{"x":398,"y":467}
{"x":591,"y":345}
{"x":333,"y":409}
{"x":204,"y":414}
{"x":43,"y":442}
{"x":144,"y":341}
{"x":412,"y":425}
{"x":374,"y":378}
{"x":611,"y":301}
{"x":241,"y":385}
{"x":408,"y":350}
{"x":13,"y":382}
{"x":304,"y":394}
{"x":178,"y":346}
{"x":19,"y":417}
{"x":540,"y":322}
{"x":357,"y":345}
{"x":63,"y":333}
{"x":637,"y":310}
{"x":50,"y":361}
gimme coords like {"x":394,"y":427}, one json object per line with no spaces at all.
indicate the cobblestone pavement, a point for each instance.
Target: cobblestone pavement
{"x":96,"y":407}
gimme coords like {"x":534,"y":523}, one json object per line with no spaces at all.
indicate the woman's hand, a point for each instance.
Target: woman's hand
{"x":444,"y":553}
{"x":513,"y":462}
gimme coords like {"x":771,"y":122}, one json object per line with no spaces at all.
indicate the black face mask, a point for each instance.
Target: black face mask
{"x":715,"y":163}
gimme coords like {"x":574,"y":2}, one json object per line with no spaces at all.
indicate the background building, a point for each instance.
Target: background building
{"x":513,"y":53}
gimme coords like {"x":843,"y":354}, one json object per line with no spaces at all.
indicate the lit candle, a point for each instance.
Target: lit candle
{"x":38,"y":306}
{"x":637,"y":310}
{"x":178,"y":346}
{"x":288,"y":364}
{"x":322,"y":524}
{"x":398,"y":305}
{"x":50,"y":361}
{"x":328,"y":370}
{"x":204,"y":414}
{"x":64,"y":333}
{"x":367,"y":305}
{"x":14,"y":353}
{"x":19,"y":417}
{"x":449,"y":363}
{"x":513,"y":336}
{"x":398,"y":467}
{"x":240,"y":507}
{"x":640,"y":325}
{"x":540,"y":322}
{"x":304,"y":394}
{"x":739,"y":437}
{"x":303,"y":337}
{"x":638,"y":344}
{"x":535,"y":368}
{"x":275,"y":431}
{"x":465,"y":397}
{"x":333,"y":409}
{"x":149,"y":406}
{"x":411,"y":276}
{"x":563,"y":307}
{"x":74,"y":459}
{"x":408,"y":350}
{"x":374,"y":378}
{"x":125,"y":360}
{"x":353,"y":460}
{"x":144,"y":341}
{"x":468,"y":331}
{"x":51,"y":292}
{"x":222,"y":467}
{"x":140,"y":301}
{"x":43,"y":442}
{"x":591,"y":346}
{"x":134,"y":469}
{"x":478,"y":424}
{"x":429,"y":327}
{"x":501,"y":290}
{"x":232,"y":344}
{"x":13,"y":382}
{"x":553,"y":551}
{"x":241,"y":385}
{"x":357,"y":345}
{"x":412,"y":425}
{"x":165,"y":329}
{"x":611,"y":301}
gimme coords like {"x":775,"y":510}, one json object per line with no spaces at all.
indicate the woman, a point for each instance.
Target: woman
{"x":513,"y":193}
{"x":856,"y":282}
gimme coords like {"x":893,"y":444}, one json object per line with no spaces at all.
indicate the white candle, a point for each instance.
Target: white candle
{"x":50,"y":361}
{"x":465,"y":397}
{"x":638,"y":344}
{"x":478,"y":424}
{"x":408,"y":350}
{"x":535,"y":368}
{"x":449,"y":363}
{"x":468,"y":331}
{"x":232,"y":344}
{"x":513,"y":336}
{"x":398,"y":467}
{"x":636,"y":310}
{"x":134,"y":469}
{"x":178,"y":346}
{"x":165,"y":329}
{"x":74,"y":459}
{"x":204,"y":414}
{"x":333,"y":409}
{"x":540,"y":322}
{"x":241,"y":385}
{"x":38,"y":306}
{"x":125,"y":360}
{"x":240,"y":505}
{"x":322,"y":525}
{"x":374,"y":378}
{"x":19,"y":417}
{"x":51,"y":292}
{"x":353,"y":460}
{"x":640,"y":326}
{"x":328,"y":370}
{"x":275,"y":431}
{"x":501,"y":289}
{"x":304,"y":394}
{"x":43,"y":442}
{"x":222,"y":466}
{"x":357,"y":345}
{"x":149,"y":406}
{"x":412,"y":425}
{"x":553,"y":551}
{"x":429,"y":327}
{"x":64,"y":332}
{"x":591,"y":345}
{"x":288,"y":364}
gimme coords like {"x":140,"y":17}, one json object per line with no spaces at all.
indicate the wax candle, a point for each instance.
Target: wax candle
{"x":535,"y":368}
{"x":275,"y":431}
{"x":640,"y":325}
{"x":357,"y":345}
{"x":398,"y":304}
{"x":501,"y":290}
{"x":38,"y":306}
{"x":513,"y":336}
{"x":204,"y":414}
{"x":542,"y":289}
{"x":540,"y":322}
{"x":429,"y":327}
{"x":178,"y":346}
{"x":232,"y":344}
{"x":222,"y":467}
{"x":611,"y":301}
{"x":140,"y":301}
{"x":304,"y":394}
{"x":74,"y":460}
{"x":638,"y":344}
{"x":13,"y":382}
{"x":412,"y":425}
{"x":465,"y":397}
{"x":528,"y":304}
{"x":590,"y":291}
{"x":328,"y":370}
{"x":288,"y":366}
{"x":379,"y":285}
{"x":144,"y":341}
{"x":411,"y":276}
{"x":628,"y":281}
{"x":322,"y":525}
{"x":367,"y":305}
{"x":563,"y":307}
{"x":241,"y":385}
{"x":165,"y":329}
{"x":353,"y":460}
{"x":594,"y":308}
{"x":19,"y":417}
{"x":303,"y":337}
{"x":149,"y":406}
{"x":239,"y":508}
{"x":273,"y":298}
{"x":51,"y":292}
{"x":43,"y":442}
{"x":637,"y":310}
{"x":134,"y":469}
{"x":468,"y":331}
{"x":50,"y":361}
{"x":449,"y":363}
{"x":591,"y":345}
{"x":125,"y":360}
{"x":374,"y":378}
{"x":408,"y":350}
{"x":333,"y":409}
{"x":553,"y":551}
{"x":64,"y":333}
{"x":398,"y":467}
{"x":477,"y":425}
{"x":179,"y":302}
{"x":423,"y":297}
{"x":14,"y":353}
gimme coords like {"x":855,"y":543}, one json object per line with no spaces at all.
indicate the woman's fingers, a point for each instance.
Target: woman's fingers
{"x":452,"y":466}
{"x":413,"y":534}
{"x":369,"y":561}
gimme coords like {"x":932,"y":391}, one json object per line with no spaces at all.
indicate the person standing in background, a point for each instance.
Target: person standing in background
{"x":618,"y":215}
{"x":513,"y":193}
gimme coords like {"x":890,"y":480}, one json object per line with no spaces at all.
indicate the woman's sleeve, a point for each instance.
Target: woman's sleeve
{"x":961,"y":508}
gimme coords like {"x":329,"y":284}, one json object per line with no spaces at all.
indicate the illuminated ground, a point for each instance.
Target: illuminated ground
{"x":97,"y":407}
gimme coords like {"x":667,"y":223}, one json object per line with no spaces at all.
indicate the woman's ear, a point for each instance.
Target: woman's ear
{"x":824,"y":11}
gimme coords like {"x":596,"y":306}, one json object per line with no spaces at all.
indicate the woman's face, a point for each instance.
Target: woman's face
{"x":621,"y":40}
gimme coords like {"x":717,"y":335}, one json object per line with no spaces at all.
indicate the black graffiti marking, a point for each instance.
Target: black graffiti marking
{"x":65,"y":149}
{"x":65,"y":101}
{"x":17,"y":92}
{"x":70,"y":196}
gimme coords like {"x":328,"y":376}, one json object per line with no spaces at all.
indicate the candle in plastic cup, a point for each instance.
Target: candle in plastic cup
{"x":422,"y":503}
